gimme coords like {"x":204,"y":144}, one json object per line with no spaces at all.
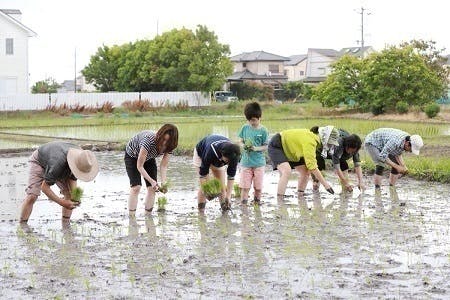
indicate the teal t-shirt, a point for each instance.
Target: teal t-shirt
{"x":258,"y":137}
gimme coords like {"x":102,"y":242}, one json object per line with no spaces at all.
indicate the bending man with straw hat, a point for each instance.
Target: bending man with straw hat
{"x":61,"y":163}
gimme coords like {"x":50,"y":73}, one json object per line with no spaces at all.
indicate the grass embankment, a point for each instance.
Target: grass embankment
{"x":194,"y":123}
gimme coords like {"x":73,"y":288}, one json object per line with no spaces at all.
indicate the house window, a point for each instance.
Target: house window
{"x":302,"y":73}
{"x":244,"y":65}
{"x":9,"y":46}
{"x":274,"y":68}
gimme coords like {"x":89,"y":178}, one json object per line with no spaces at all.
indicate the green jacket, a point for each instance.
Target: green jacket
{"x":298,"y":143}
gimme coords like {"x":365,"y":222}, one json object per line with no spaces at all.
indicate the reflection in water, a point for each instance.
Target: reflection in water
{"x":379,"y":208}
{"x":133,"y":227}
{"x":58,"y":256}
{"x":359,"y":207}
{"x":315,"y":246}
{"x":150,"y":226}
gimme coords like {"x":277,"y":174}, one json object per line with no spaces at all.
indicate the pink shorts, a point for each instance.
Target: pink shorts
{"x":36,"y":177}
{"x":251,"y":174}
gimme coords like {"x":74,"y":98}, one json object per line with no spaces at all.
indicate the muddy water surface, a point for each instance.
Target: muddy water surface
{"x":390,"y":245}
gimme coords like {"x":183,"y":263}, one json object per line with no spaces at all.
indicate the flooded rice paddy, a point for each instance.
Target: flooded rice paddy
{"x":392,"y":245}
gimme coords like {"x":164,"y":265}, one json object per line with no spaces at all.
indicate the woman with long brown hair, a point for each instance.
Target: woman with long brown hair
{"x":140,"y":155}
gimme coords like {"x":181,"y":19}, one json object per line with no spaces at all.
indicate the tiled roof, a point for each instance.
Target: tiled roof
{"x":295,"y":60}
{"x":355,"y":51}
{"x":258,"y":56}
{"x":325,"y":52}
{"x":314,"y":79}
{"x":15,"y":21}
{"x":10,"y":11}
{"x":238,"y":76}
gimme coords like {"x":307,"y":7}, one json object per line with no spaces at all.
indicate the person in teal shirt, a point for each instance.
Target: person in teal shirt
{"x":254,"y":139}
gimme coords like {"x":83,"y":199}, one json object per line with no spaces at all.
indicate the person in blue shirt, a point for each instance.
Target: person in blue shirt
{"x":254,"y":139}
{"x":215,"y":152}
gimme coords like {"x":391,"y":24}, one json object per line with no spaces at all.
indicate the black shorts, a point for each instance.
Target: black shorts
{"x":277,"y":156}
{"x":133,"y":172}
{"x":321,"y":163}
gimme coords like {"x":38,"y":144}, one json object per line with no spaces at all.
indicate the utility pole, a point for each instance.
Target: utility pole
{"x":75,"y":71}
{"x":362,"y":11}
{"x":157,"y":27}
{"x":362,"y":27}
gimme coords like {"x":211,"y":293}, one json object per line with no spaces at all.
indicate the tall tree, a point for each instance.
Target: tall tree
{"x":433,"y":56}
{"x":344,"y":84}
{"x":102,"y":68}
{"x":178,"y":60}
{"x":130,"y":74}
{"x":210,"y":64}
{"x":46,"y":86}
{"x":401,"y":74}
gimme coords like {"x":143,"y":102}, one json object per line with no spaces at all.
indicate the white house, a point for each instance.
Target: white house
{"x":318,"y":64}
{"x":14,"y":36}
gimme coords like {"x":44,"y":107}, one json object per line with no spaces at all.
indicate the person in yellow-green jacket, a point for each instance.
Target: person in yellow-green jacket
{"x":296,"y":149}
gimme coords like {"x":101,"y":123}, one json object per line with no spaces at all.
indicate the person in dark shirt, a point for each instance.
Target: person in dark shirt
{"x":61,"y":163}
{"x":349,"y":146}
{"x":213,"y":153}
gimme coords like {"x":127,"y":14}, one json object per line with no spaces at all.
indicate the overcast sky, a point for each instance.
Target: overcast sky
{"x":283,"y":27}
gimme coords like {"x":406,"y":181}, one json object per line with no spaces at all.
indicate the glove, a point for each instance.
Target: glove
{"x":330,"y":190}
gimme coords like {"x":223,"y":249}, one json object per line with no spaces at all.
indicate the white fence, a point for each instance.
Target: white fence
{"x":41,"y":101}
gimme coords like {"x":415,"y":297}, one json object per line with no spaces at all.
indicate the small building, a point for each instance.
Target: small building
{"x":295,"y":68}
{"x":319,"y":61}
{"x":67,"y":86}
{"x":259,"y":66}
{"x":318,"y":65}
{"x":14,"y":35}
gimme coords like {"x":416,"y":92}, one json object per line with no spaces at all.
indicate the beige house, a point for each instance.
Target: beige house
{"x":259,"y":66}
{"x":295,"y":68}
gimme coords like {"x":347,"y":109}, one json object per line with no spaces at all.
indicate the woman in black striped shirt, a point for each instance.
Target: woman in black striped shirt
{"x":140,"y":155}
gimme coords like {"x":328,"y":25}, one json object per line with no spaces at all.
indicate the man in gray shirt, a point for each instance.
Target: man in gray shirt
{"x":385,"y":146}
{"x":61,"y":163}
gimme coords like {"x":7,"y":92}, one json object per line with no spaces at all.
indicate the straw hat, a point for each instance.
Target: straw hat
{"x":82,"y":163}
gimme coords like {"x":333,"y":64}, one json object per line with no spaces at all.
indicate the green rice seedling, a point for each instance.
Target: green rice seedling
{"x":76,"y":194}
{"x":237,"y":190}
{"x":248,"y":144}
{"x":162,"y":201}
{"x":211,"y":188}
{"x":164,"y":187}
